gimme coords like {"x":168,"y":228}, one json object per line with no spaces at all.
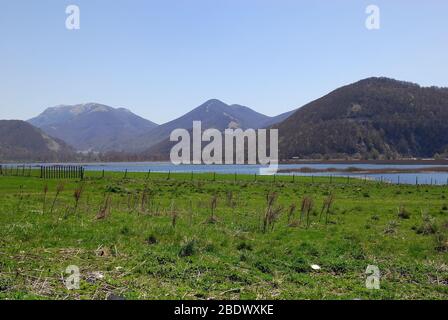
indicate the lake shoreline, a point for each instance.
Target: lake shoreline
{"x":379,"y":162}
{"x":365,"y":171}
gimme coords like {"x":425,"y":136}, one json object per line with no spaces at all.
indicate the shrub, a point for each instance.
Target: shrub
{"x":441,"y":242}
{"x":125,"y":230}
{"x":262,"y":266}
{"x":391,"y":227}
{"x":428,"y":226}
{"x":151,"y":239}
{"x":188,"y":249}
{"x":300,"y":265}
{"x":114,"y":189}
{"x":244,"y":246}
{"x":403,"y":213}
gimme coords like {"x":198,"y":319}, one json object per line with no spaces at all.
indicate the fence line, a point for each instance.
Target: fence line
{"x":61,"y":172}
{"x":78,"y":172}
{"x":17,"y":170}
{"x":331,"y":179}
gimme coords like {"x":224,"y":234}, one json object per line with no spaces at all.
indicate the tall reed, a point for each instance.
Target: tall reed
{"x":305,"y":211}
{"x":77,"y":196}
{"x":105,"y":208}
{"x":44,"y":197}
{"x":59,"y":189}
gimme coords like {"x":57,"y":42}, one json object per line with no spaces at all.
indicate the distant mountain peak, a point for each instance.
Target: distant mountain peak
{"x":385,"y":81}
{"x":89,"y":107}
{"x":212,"y":104}
{"x":214,"y":114}
{"x":213,"y":101}
{"x":92,"y":126}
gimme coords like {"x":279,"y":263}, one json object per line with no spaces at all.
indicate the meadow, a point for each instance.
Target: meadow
{"x":178,"y":236}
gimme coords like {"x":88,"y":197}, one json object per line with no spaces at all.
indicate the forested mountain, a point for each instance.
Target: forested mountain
{"x":373,"y":118}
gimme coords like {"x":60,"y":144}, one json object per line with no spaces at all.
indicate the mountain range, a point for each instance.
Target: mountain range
{"x":99,"y":128}
{"x":92,"y":126}
{"x":212,"y":114}
{"x":372,"y":118}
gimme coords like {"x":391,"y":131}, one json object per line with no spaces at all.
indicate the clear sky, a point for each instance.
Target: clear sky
{"x":162,"y":58}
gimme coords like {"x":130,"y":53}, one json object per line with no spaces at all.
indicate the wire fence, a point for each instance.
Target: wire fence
{"x":78,"y":172}
{"x":43,"y":171}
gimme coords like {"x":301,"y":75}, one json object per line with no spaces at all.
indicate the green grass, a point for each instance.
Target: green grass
{"x":172,"y":247}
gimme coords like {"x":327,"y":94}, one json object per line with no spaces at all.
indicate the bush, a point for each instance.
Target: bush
{"x":188,"y":249}
{"x":391,"y":228}
{"x":114,"y":189}
{"x":244,"y":246}
{"x":403,"y":213}
{"x":441,"y":242}
{"x":151,"y":239}
{"x":125,"y":231}
{"x":300,"y":265}
{"x":427,"y":227}
{"x":262,"y":266}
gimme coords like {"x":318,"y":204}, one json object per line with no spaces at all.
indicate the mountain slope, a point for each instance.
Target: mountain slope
{"x":20,"y":141}
{"x":375,"y":117}
{"x":213,"y":114}
{"x":92,"y":126}
{"x":277,"y":119}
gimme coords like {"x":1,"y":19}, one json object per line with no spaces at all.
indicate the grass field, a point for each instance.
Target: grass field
{"x":160,"y":237}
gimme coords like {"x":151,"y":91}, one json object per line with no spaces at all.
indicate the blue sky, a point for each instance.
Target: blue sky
{"x":162,"y":58}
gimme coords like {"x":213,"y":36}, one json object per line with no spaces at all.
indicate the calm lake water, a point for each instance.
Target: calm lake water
{"x":439,"y":178}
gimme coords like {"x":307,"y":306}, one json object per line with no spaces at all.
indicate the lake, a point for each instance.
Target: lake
{"x":440,"y":178}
